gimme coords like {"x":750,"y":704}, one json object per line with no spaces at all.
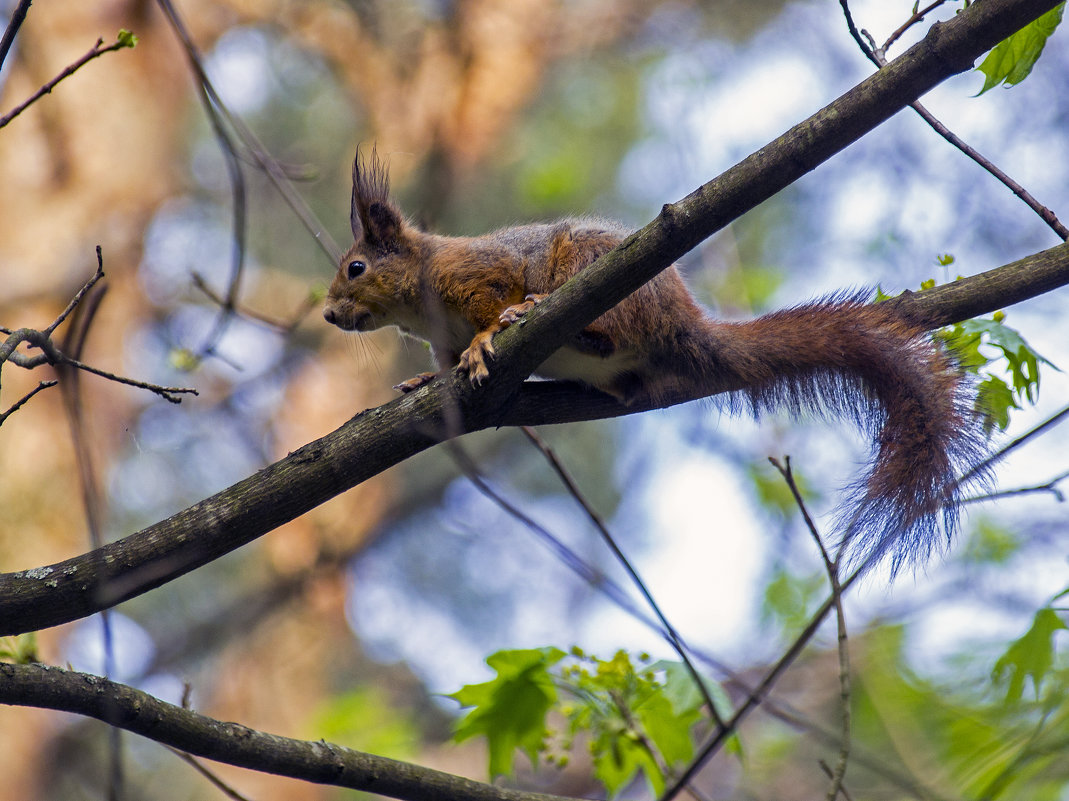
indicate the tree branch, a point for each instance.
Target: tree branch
{"x":379,"y":438}
{"x":124,"y":40}
{"x":320,"y":762}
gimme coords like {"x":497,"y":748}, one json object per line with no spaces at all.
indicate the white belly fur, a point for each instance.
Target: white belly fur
{"x":571,"y":365}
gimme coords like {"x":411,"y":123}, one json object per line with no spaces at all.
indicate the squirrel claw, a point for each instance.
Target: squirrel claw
{"x":473,"y":360}
{"x":513,"y":313}
{"x":414,"y":383}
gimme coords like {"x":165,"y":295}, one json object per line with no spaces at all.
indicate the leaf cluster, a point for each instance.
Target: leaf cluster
{"x":637,"y":718}
{"x":995,"y":394}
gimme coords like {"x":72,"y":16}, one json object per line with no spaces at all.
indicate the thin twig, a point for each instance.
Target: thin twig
{"x":587,"y":572}
{"x":79,"y":294}
{"x":95,"y":51}
{"x":1050,"y":486}
{"x":824,"y":766}
{"x":670,"y":634}
{"x":167,"y":393}
{"x":92,"y":499}
{"x":918,"y":16}
{"x":19,"y":403}
{"x":198,"y":766}
{"x":223,"y":121}
{"x":281,"y":326}
{"x":754,"y":698}
{"x":53,"y":355}
{"x":877,"y":55}
{"x":18,"y":16}
{"x":1001,"y":453}
{"x":832,"y":568}
{"x":275,"y":171}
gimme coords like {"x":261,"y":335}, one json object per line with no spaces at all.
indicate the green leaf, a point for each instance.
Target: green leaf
{"x":618,"y":757}
{"x":668,"y":730}
{"x":681,"y":692}
{"x":1023,"y":360}
{"x":1012,"y":59}
{"x":1031,"y":655}
{"x":510,"y":710}
{"x":126,"y":38}
{"x":996,"y":400}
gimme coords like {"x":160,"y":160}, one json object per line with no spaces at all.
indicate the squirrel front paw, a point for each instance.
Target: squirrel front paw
{"x":513,"y":313}
{"x":474,"y":360}
{"x":415,"y":382}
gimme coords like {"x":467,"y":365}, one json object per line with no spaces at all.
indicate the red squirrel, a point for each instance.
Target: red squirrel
{"x":837,"y":356}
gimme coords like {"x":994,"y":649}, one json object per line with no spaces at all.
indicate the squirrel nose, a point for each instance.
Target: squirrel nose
{"x":328,"y":315}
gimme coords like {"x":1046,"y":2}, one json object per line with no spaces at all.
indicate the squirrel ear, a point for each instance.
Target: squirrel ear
{"x":384,"y":226}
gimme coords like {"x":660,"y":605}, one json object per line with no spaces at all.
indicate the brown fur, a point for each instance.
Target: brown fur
{"x":838,"y":356}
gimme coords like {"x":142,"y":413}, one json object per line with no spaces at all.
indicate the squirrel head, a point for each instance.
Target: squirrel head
{"x":379,"y":271}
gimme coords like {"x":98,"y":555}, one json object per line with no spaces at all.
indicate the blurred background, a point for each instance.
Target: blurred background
{"x":350,"y":622}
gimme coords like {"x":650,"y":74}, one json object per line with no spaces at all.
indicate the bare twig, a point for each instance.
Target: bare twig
{"x":52,"y":355}
{"x":757,"y":694}
{"x":92,"y":499}
{"x":81,"y":293}
{"x":281,"y":326}
{"x":832,"y":568}
{"x":19,"y":403}
{"x":1050,"y":486}
{"x":916,"y":17}
{"x":587,"y":572}
{"x":1004,"y":451}
{"x":223,"y":122}
{"x":198,"y":766}
{"x":877,"y":55}
{"x":18,"y":16}
{"x":824,"y":766}
{"x":95,"y":51}
{"x":278,"y":173}
{"x":669,"y":632}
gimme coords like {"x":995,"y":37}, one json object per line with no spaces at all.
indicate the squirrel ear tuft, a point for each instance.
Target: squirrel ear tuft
{"x":370,"y":214}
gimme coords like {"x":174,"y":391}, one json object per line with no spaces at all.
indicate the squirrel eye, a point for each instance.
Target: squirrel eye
{"x":356,"y":268}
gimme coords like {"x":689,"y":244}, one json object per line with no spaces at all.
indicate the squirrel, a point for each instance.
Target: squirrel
{"x":838,"y":356}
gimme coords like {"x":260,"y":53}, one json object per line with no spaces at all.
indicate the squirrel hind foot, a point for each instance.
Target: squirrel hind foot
{"x":473,"y":361}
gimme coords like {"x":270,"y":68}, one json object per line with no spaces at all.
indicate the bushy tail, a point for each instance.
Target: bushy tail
{"x":844,"y":358}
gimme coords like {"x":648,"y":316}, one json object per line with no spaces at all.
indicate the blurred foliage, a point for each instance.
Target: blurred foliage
{"x":954,"y":736}
{"x":363,"y":719}
{"x":21,"y":649}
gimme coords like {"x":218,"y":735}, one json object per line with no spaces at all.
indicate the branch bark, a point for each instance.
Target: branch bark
{"x":320,"y":762}
{"x":379,"y":438}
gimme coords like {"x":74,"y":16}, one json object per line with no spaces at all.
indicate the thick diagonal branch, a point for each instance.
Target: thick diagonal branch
{"x":382,"y":437}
